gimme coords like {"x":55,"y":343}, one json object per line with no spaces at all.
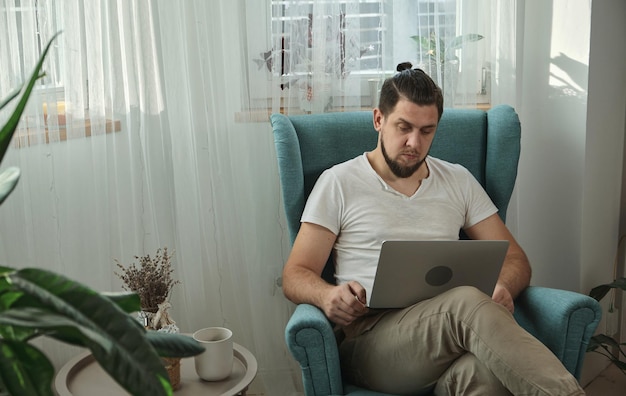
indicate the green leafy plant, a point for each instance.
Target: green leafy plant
{"x":36,"y":302}
{"x":602,"y":343}
{"x":440,"y":50}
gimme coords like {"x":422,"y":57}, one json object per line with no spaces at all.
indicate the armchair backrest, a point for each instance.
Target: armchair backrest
{"x":485,"y":142}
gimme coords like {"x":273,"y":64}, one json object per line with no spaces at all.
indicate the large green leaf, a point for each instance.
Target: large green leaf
{"x":458,"y":42}
{"x":599,"y":340}
{"x":21,"y":334}
{"x":8,"y":293}
{"x":24,"y":370}
{"x":621,"y":365}
{"x":9,"y":98}
{"x":599,"y":292}
{"x":6,"y":133}
{"x":8,"y":181}
{"x":6,"y":270}
{"x":46,"y":322}
{"x":64,"y":329}
{"x":433,"y":47}
{"x":425,"y":42}
{"x":174,"y":345}
{"x":116,"y":341}
{"x":442,"y":50}
{"x":127,"y":301}
{"x":609,"y":348}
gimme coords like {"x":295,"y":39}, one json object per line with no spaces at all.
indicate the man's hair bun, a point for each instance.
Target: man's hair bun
{"x":404,"y":66}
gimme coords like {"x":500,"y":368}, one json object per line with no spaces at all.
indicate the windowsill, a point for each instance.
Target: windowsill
{"x":262,"y":115}
{"x":32,"y":136}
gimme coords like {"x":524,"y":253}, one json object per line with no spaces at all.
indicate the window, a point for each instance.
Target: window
{"x":353,"y":43}
{"x":29,"y":26}
{"x":355,"y":26}
{"x":26,"y":27}
{"x":31,"y":22}
{"x":371,"y":22}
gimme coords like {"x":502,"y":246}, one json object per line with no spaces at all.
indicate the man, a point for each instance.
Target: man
{"x":461,"y":342}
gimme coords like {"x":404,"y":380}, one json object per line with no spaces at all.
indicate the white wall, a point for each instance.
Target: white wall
{"x":549,"y":185}
{"x":604,"y":171}
{"x":572,"y":112}
{"x":572,"y":106}
{"x":606,"y":128}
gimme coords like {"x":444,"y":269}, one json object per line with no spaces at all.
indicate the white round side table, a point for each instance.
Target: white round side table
{"x":82,"y":375}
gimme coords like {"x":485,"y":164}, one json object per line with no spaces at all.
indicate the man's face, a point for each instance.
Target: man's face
{"x":406,"y":135}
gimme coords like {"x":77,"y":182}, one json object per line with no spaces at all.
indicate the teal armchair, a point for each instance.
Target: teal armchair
{"x":485,"y":142}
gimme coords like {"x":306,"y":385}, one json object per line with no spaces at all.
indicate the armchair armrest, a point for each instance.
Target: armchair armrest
{"x":562,"y":320}
{"x":312,"y":343}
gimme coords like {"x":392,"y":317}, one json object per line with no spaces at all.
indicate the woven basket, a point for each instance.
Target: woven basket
{"x":160,"y":321}
{"x":172,"y":365}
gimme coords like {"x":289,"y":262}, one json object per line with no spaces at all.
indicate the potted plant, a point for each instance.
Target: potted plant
{"x":36,"y":302}
{"x":602,"y":343}
{"x":442,"y":51}
{"x":442,"y":59}
{"x":151,"y":279}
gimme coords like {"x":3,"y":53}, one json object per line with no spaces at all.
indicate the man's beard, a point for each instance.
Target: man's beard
{"x":398,"y":169}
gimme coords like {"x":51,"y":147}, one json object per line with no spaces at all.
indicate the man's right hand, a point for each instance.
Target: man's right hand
{"x":344,"y":303}
{"x":302,"y":282}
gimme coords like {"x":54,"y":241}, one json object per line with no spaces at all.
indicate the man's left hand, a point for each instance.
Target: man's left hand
{"x":502,"y":296}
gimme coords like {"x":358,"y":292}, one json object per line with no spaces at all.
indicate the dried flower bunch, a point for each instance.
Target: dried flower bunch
{"x":152,"y":279}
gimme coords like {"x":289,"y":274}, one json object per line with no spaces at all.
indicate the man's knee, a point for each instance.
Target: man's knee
{"x":466,"y":294}
{"x":464,"y":302}
{"x":468,"y":376}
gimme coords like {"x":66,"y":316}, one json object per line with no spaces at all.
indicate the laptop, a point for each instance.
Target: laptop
{"x":412,"y":271}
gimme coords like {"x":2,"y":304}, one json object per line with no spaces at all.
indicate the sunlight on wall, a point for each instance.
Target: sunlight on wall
{"x":552,"y":108}
{"x":570,"y":49}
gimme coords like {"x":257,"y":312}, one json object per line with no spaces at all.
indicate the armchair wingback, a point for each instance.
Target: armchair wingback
{"x":485,"y":142}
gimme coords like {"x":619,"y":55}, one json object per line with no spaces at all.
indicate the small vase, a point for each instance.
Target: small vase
{"x":145,"y":318}
{"x":159,"y":320}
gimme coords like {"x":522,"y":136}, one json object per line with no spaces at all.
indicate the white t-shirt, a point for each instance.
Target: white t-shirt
{"x":352,"y":200}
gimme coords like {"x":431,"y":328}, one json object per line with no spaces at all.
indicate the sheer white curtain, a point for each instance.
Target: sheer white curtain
{"x":334,"y":55}
{"x":140,"y":147}
{"x":151,"y":130}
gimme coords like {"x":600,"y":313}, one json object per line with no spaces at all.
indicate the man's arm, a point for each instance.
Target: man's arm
{"x":516,"y":272}
{"x":302,"y":282}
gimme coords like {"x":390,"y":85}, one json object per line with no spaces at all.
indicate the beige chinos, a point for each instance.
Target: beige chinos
{"x":458,"y":343}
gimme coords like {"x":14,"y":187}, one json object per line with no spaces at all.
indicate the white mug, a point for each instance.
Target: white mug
{"x":216,"y":362}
